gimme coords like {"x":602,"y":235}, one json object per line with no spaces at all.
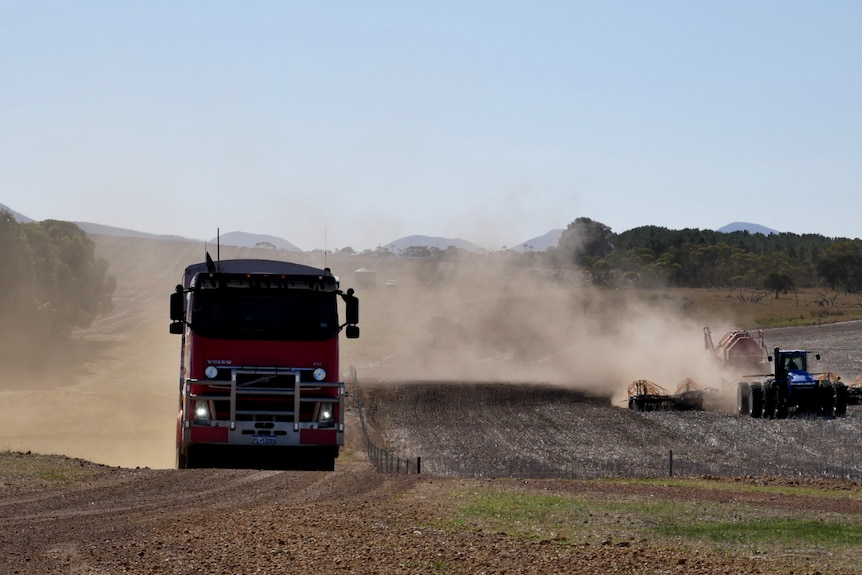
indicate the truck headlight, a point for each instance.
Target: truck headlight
{"x":201,"y":412}
{"x":326,"y":415}
{"x":319,"y":374}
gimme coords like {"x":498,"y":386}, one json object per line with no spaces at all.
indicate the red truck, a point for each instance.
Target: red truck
{"x":259,"y":377}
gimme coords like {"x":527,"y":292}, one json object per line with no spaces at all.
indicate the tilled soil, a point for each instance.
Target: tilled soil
{"x":351,"y":521}
{"x":529,"y":430}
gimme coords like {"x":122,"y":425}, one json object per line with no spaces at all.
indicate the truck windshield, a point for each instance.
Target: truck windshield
{"x":250,"y":314}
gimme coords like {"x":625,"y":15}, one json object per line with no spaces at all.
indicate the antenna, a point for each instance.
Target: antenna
{"x":218,"y":245}
{"x":324,"y":247}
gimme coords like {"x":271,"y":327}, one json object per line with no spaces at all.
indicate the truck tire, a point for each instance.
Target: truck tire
{"x":840,"y":400}
{"x":826,"y":397}
{"x":742,"y":398}
{"x":769,"y":399}
{"x":755,"y":400}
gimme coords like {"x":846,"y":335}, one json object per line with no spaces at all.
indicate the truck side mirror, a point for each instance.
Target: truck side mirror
{"x":177,"y":306}
{"x":176,"y":328}
{"x":351,"y":331}
{"x":351,"y":308}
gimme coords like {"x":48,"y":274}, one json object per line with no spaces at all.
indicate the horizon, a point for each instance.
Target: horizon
{"x":737,"y":226}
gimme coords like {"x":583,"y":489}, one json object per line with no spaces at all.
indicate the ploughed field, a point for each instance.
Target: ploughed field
{"x":530,"y":430}
{"x":508,"y":481}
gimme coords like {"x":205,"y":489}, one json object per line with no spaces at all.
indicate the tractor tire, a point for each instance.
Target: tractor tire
{"x":781,"y":406}
{"x":770,"y":394}
{"x":840,"y":400}
{"x":755,"y":400}
{"x":826,"y":399}
{"x":742,"y":399}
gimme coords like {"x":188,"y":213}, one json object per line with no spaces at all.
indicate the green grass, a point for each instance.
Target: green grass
{"x":730,"y":527}
{"x":20,"y":468}
{"x":784,"y":531}
{"x":801,"y":490}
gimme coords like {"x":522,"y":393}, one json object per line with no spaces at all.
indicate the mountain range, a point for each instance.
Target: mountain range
{"x":245,"y":239}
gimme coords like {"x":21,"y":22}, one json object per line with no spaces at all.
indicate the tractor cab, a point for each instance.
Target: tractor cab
{"x":791,"y":366}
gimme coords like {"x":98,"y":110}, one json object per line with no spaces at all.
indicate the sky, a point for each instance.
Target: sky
{"x":334,"y":124}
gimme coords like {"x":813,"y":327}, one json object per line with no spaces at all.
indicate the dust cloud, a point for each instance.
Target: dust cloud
{"x":496,"y":320}
{"x":111,"y":394}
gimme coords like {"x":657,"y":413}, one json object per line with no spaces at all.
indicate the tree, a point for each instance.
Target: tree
{"x":70,"y":285}
{"x":779,"y":282}
{"x":15,"y":268}
{"x":585,"y":240}
{"x":841,"y":265}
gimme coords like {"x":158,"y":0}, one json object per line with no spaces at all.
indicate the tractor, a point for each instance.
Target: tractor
{"x":791,"y":388}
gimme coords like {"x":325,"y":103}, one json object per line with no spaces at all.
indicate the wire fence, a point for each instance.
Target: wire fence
{"x":383,"y":460}
{"x":672,"y":463}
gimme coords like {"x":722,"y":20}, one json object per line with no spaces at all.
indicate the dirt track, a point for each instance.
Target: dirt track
{"x":118,"y":408}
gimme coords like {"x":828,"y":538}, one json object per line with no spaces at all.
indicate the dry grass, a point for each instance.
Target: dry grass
{"x":757,"y":308}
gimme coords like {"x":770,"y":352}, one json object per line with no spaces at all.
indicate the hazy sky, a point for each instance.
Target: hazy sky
{"x":356,"y":123}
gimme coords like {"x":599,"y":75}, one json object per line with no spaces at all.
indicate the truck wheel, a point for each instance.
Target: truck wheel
{"x":182,"y":459}
{"x":840,"y":400}
{"x":742,"y":398}
{"x":755,"y":399}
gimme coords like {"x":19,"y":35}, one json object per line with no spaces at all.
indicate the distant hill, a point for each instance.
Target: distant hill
{"x":540,"y":243}
{"x":247,"y":240}
{"x":20,"y":218}
{"x":747,"y":227}
{"x":103,"y":230}
{"x":402,"y":244}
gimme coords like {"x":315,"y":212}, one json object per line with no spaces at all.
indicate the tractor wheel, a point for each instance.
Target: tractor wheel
{"x":769,"y":399}
{"x":840,"y":400}
{"x":827,"y":400}
{"x":742,"y":398}
{"x":781,"y":407}
{"x":755,"y":399}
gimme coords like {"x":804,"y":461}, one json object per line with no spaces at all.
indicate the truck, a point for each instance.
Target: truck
{"x":790,"y":389}
{"x":259,"y":365}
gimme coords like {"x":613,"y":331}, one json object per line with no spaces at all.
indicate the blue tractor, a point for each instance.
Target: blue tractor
{"x":792,"y":389}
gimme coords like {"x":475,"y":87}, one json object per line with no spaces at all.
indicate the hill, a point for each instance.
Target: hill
{"x":18,"y":217}
{"x":541,"y":243}
{"x":104,"y":230}
{"x":747,"y":227}
{"x":402,"y":244}
{"x":248,"y":240}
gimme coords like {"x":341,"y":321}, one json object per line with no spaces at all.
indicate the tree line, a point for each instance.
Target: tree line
{"x":52,"y":282}
{"x":651,"y":256}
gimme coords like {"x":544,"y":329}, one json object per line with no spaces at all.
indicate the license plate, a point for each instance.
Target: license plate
{"x":263,"y":440}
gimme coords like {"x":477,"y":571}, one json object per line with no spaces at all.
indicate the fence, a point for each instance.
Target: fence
{"x":382,"y":460}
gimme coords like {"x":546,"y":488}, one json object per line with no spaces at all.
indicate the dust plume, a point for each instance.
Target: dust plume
{"x":500,"y":319}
